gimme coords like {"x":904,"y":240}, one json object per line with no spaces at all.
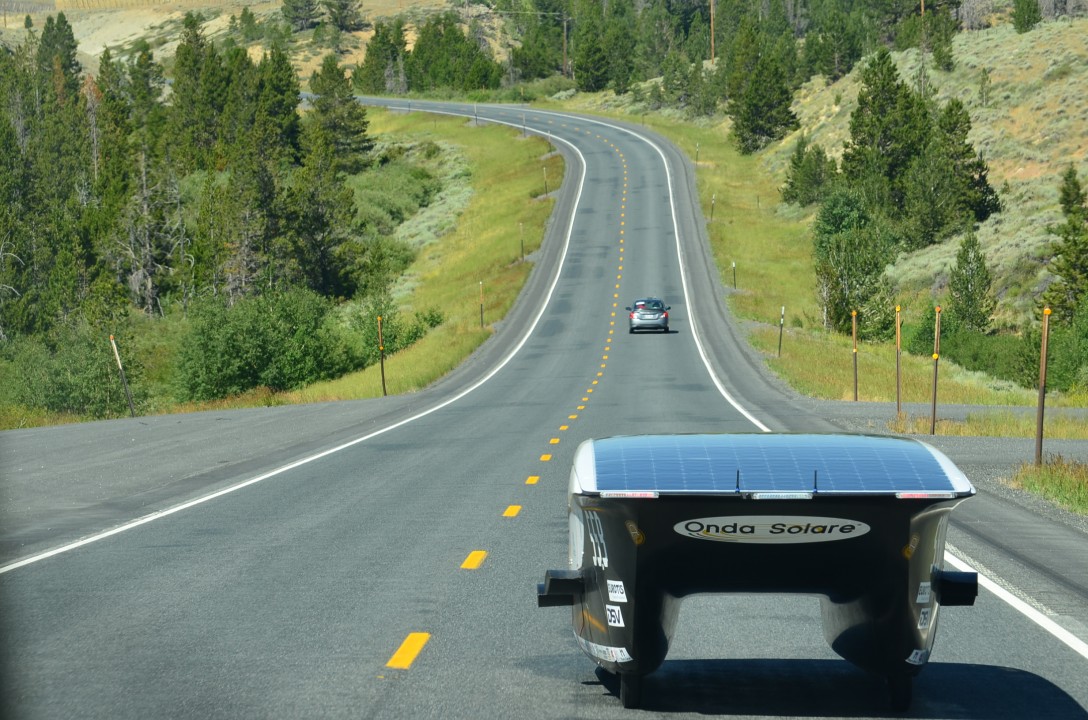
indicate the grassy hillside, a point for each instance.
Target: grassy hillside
{"x":1029,"y":126}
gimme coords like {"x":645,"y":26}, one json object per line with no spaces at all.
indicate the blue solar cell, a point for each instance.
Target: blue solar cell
{"x":831,"y":464}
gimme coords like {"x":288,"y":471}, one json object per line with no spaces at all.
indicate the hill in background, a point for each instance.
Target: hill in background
{"x":1027,"y":95}
{"x":1029,"y":124}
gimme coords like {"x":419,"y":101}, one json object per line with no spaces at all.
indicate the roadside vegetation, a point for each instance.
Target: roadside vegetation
{"x":182,"y":241}
{"x":1058,"y":479}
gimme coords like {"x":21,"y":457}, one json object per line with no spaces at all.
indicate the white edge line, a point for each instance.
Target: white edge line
{"x":1079,"y":646}
{"x":298,"y":463}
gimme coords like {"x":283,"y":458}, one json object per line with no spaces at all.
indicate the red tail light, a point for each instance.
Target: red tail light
{"x":665,"y":314}
{"x":631,"y":316}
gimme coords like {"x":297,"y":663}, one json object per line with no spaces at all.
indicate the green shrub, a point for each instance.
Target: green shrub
{"x":73,"y":370}
{"x":397,"y":333}
{"x":281,"y":341}
{"x":997,"y":355}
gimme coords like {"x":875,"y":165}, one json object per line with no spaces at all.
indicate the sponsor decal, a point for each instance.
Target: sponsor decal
{"x":637,"y":537}
{"x":925,"y":593}
{"x":616,"y":591}
{"x":771,"y":529}
{"x":615,"y":615}
{"x":604,"y":652}
{"x":596,"y":539}
{"x":924,"y":618}
{"x":918,"y":657}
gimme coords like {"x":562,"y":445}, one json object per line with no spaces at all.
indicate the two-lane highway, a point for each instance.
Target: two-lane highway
{"x":394,"y":577}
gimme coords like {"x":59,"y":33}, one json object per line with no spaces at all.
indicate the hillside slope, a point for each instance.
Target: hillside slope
{"x":1030,"y":125}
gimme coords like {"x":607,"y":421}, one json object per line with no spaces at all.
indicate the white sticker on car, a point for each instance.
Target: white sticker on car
{"x":616,"y":591}
{"x":918,"y":657}
{"x":604,"y":652}
{"x":924,"y":618}
{"x":925,"y":593}
{"x":614,"y":614}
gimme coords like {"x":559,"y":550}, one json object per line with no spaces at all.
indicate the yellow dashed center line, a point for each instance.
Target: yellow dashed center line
{"x":406,"y":654}
{"x":474,"y":560}
{"x":511,"y":511}
{"x":532,"y":480}
{"x":563,"y":428}
{"x":554,"y":441}
{"x":546,"y":457}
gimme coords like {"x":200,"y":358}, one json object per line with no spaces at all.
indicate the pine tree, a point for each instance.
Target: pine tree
{"x":57,"y":54}
{"x":834,"y":42}
{"x":1025,"y":15}
{"x":1070,"y":266}
{"x":942,"y":30}
{"x":444,"y":57}
{"x":343,"y":14}
{"x":319,"y":221}
{"x":238,"y":118}
{"x":969,"y":170}
{"x":810,"y":174}
{"x":539,"y":54}
{"x":337,"y":118}
{"x":300,"y":14}
{"x":618,"y":49}
{"x":589,"y":55}
{"x":191,"y":120}
{"x":888,"y":129}
{"x":969,"y":281}
{"x":762,"y":114}
{"x":278,"y":122}
{"x":656,"y":34}
{"x":382,"y":70}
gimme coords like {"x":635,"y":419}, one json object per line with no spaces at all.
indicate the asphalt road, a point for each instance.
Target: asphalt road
{"x":281,"y":558}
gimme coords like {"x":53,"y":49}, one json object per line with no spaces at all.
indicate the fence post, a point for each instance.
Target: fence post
{"x":781,"y":324}
{"x":936,"y":359}
{"x":124,"y":380}
{"x":1042,"y":390}
{"x":381,"y":353}
{"x":854,"y":322}
{"x":898,"y":366}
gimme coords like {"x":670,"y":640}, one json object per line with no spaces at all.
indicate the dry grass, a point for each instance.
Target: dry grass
{"x":1057,"y":425}
{"x":1063,"y":481}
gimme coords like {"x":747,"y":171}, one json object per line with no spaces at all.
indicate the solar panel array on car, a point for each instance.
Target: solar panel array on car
{"x":826,"y":464}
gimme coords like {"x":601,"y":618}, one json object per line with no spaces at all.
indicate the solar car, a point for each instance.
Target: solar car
{"x":857,"y":520}
{"x":648,"y":313}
